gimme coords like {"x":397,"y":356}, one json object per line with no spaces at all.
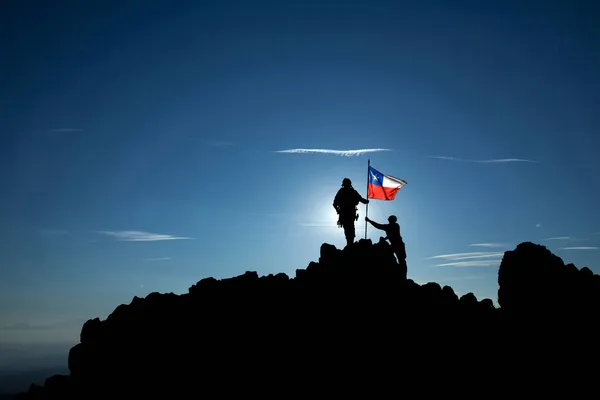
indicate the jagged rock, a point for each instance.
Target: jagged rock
{"x":91,"y":331}
{"x":449,"y":294}
{"x":585,"y":272}
{"x":56,"y":385}
{"x":353,"y":314}
{"x":469,"y":299}
{"x":203,"y":286}
{"x":535,"y":286}
{"x":487,"y":303}
{"x":328,"y":253}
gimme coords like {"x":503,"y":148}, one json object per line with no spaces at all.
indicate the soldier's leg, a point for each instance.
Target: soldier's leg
{"x":401,"y":256}
{"x":349,"y":231}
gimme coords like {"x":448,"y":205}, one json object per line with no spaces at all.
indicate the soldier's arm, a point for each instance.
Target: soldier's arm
{"x":360,"y":198}
{"x":378,"y":226}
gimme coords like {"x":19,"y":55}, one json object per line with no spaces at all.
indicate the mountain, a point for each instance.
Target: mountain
{"x":351,"y":324}
{"x":14,"y":382}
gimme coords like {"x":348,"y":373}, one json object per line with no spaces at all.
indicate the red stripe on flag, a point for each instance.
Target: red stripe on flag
{"x":381,"y":193}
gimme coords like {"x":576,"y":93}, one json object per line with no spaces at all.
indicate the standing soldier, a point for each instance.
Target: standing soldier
{"x":345,"y":203}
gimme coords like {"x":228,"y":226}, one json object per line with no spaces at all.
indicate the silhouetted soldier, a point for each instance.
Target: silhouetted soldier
{"x":345,"y":202}
{"x":392,"y":230}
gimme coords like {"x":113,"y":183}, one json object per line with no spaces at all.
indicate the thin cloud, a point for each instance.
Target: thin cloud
{"x":139,"y":236}
{"x":159,"y":259}
{"x":475,"y":259}
{"x":478,"y":263}
{"x":559,"y":238}
{"x":467,"y":256}
{"x":580,"y":248}
{"x":461,"y":278}
{"x":489,"y":161}
{"x":487,"y":245}
{"x":343,"y":153}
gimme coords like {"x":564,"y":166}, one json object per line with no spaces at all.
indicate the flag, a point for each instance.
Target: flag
{"x":383,"y":187}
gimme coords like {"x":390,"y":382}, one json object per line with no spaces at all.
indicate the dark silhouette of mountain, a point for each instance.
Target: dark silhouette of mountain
{"x":350,"y":324}
{"x":17,"y":381}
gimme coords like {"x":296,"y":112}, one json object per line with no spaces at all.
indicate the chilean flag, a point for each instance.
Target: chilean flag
{"x":383,"y":187}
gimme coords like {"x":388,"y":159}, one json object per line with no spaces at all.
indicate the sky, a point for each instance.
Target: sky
{"x":147,"y":145}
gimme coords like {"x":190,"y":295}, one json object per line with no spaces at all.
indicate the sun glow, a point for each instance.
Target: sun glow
{"x":321,"y":215}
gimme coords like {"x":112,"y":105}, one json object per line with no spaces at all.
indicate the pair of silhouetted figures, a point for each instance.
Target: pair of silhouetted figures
{"x":345,"y":203}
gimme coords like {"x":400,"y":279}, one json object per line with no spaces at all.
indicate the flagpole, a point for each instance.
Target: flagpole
{"x":367,"y":206}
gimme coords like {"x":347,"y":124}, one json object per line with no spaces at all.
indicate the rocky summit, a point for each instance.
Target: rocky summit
{"x":350,"y":324}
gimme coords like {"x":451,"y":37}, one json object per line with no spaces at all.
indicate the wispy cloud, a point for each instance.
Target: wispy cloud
{"x":461,"y":278}
{"x":139,"y":236}
{"x":580,"y":248}
{"x":475,"y":259}
{"x":477,"y":263}
{"x":466,"y":256}
{"x":343,"y":153}
{"x":488,"y":245}
{"x":568,"y":239}
{"x":488,"y":161}
{"x":159,"y":259}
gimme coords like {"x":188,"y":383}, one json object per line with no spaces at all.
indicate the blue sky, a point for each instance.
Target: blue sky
{"x":140,"y":142}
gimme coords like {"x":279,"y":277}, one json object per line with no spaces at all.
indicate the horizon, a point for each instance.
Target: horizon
{"x":145,"y":147}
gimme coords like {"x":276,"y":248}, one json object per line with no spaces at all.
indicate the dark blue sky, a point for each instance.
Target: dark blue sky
{"x":166,"y":118}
